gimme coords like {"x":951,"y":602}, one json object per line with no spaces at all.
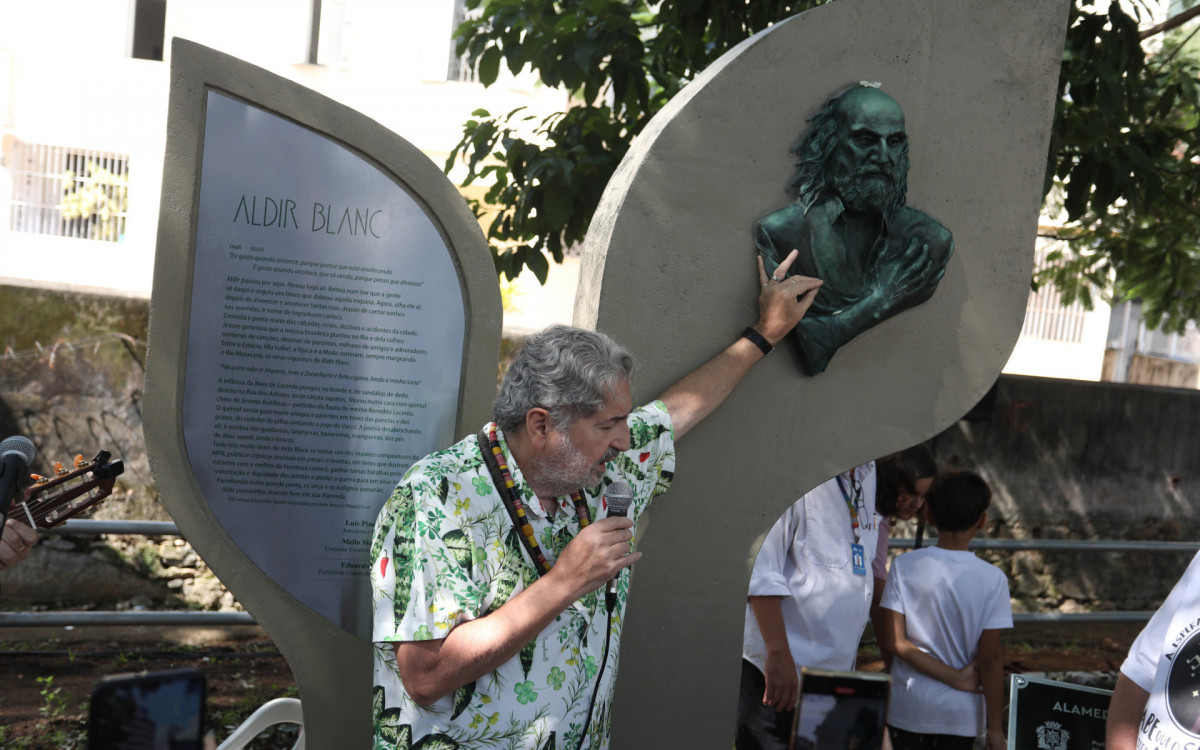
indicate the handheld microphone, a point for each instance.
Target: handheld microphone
{"x":16,"y":454}
{"x":618,"y":498}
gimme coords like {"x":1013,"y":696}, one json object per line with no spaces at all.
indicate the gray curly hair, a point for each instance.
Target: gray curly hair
{"x":570,"y":372}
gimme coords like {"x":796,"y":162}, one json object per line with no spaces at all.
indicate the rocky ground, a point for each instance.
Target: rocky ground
{"x":50,"y":672}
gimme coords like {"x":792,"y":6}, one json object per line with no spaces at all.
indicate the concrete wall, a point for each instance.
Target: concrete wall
{"x":1077,"y":460}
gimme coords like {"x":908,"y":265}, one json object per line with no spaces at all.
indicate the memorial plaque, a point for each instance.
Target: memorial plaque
{"x":324,"y":352}
{"x":1050,"y":715}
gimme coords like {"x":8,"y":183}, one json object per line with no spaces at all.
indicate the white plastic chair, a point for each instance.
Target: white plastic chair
{"x":278,"y":711}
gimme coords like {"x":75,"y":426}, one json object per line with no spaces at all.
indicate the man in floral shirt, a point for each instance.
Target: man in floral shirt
{"x":490,"y":629}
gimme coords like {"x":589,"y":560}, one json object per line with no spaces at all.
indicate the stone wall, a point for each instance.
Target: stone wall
{"x":71,"y":378}
{"x":1079,"y":460}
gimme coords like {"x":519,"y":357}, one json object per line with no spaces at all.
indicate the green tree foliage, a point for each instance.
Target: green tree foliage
{"x":623,"y":61}
{"x":1122,"y":165}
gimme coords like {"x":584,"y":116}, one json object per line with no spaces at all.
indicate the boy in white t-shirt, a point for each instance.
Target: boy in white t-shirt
{"x":945,"y":609}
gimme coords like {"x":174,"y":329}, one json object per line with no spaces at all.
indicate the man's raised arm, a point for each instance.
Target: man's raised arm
{"x":781,"y":305}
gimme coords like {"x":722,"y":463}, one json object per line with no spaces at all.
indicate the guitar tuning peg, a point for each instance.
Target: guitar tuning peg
{"x":39,"y":479}
{"x":58,"y":468}
{"x":79,"y":462}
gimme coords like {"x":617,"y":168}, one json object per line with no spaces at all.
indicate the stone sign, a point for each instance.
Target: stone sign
{"x":325,"y":311}
{"x":323,"y":353}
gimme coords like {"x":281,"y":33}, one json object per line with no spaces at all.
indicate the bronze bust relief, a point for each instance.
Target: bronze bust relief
{"x":851,"y":226}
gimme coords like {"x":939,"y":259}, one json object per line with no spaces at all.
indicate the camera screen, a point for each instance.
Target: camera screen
{"x":149,"y":711}
{"x":840,"y":711}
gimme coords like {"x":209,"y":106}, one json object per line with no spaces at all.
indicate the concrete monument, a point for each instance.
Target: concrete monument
{"x":977,"y":80}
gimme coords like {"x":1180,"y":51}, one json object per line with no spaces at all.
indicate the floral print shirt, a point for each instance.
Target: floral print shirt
{"x":445,"y":552}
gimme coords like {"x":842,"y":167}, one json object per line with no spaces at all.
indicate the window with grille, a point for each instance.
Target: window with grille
{"x":1046,"y":317}
{"x":68,"y":192}
{"x":459,"y":69}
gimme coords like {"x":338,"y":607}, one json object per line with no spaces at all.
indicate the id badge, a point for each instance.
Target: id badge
{"x":858,"y":559}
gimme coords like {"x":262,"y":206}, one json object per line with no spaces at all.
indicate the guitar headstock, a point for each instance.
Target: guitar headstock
{"x":52,"y":500}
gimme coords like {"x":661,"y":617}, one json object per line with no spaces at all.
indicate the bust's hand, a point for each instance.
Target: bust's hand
{"x":907,"y":277}
{"x":815,"y":337}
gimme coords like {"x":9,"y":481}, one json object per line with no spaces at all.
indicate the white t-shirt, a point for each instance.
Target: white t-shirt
{"x":806,"y":558}
{"x":948,"y":598}
{"x":1165,"y":662}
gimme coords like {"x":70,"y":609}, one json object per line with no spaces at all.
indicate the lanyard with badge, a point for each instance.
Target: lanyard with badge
{"x":854,"y":500}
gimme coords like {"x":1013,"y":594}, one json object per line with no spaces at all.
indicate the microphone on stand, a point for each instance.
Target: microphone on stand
{"x":618,"y":497}
{"x":16,"y":454}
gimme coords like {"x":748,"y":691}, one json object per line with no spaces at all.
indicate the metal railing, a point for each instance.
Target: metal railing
{"x":218,"y":619}
{"x":1062,"y":545}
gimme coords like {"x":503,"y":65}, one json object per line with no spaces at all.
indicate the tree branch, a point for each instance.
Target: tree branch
{"x":1166,"y":61}
{"x":1171,"y":23}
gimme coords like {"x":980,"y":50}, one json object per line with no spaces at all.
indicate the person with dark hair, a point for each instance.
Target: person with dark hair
{"x":903,"y":480}
{"x":487,"y":559}
{"x":945,"y":609}
{"x":807,"y":602}
{"x":810,"y":594}
{"x":850,"y":223}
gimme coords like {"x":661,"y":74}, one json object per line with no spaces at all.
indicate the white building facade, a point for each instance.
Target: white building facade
{"x":83,"y":109}
{"x":83,"y":117}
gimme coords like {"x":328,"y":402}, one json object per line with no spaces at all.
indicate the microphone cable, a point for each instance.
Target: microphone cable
{"x":618,"y":498}
{"x":609,"y":601}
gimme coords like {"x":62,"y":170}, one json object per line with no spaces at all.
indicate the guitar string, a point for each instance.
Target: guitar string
{"x":42,"y":514}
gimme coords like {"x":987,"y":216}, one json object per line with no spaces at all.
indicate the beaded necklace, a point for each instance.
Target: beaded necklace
{"x":512,"y":499}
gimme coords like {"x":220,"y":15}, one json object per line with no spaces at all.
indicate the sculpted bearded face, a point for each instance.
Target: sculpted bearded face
{"x":868,"y":169}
